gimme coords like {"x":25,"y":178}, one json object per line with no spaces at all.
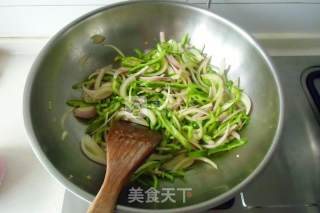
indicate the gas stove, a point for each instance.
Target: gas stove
{"x":291,"y":181}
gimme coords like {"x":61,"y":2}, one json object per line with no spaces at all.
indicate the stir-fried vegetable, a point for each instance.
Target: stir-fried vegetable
{"x":174,"y":89}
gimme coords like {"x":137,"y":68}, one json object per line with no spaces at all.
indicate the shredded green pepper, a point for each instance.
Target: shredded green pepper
{"x":175,"y":90}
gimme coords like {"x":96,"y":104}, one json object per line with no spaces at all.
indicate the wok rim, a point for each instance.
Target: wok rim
{"x":76,"y":190}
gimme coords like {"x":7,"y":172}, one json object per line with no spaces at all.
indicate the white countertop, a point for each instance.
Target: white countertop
{"x":27,"y":187}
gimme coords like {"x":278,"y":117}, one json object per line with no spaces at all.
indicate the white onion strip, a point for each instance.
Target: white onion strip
{"x":101,"y":93}
{"x":97,"y":83}
{"x":162,"y":37}
{"x":207,"y":160}
{"x":190,"y":110}
{"x":163,"y":69}
{"x":148,"y":113}
{"x":128,"y":81}
{"x":166,"y":101}
{"x":119,"y":71}
{"x":235,"y":135}
{"x":130,"y":117}
{"x":246,"y":102}
{"x":156,"y":78}
{"x":92,"y":150}
{"x":222,"y":139}
{"x":174,"y":62}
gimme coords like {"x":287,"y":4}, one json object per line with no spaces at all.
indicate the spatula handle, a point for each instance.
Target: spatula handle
{"x":128,"y":145}
{"x":106,"y":199}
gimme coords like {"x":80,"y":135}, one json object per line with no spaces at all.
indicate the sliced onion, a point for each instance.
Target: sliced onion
{"x":138,"y":99}
{"x":162,"y":37}
{"x":146,"y":51}
{"x":227,"y":105}
{"x":216,"y":80}
{"x":171,"y":101}
{"x":198,"y":133}
{"x":195,"y":143}
{"x":147,"y":90}
{"x":192,"y":71}
{"x":225,"y":118}
{"x":208,"y":161}
{"x":222,"y":139}
{"x":148,"y":113}
{"x":130,"y":117}
{"x":115,"y":48}
{"x":197,"y":54}
{"x":119,"y":71}
{"x":179,"y":162}
{"x":156,"y":78}
{"x":64,"y":135}
{"x":178,"y":103}
{"x":183,"y":164}
{"x":246,"y":102}
{"x":236,"y":82}
{"x":92,"y":150}
{"x":166,"y":101}
{"x":163,"y":69}
{"x":199,"y":117}
{"x":122,"y":70}
{"x":198,"y":76}
{"x":218,"y":98}
{"x":140,"y":72}
{"x":204,"y":64}
{"x":206,"y":107}
{"x":186,"y":79}
{"x":85,"y":112}
{"x":106,"y":120}
{"x":124,"y":86}
{"x":94,"y":74}
{"x":183,"y":75}
{"x":106,"y":70}
{"x":98,"y":81}
{"x":211,"y":91}
{"x":129,"y":80}
{"x":223,"y":67}
{"x":236,"y":135}
{"x":180,"y":94}
{"x":188,"y":111}
{"x":173,"y":62}
{"x":64,"y":118}
{"x":177,"y":74}
{"x":176,"y":122}
{"x":103,"y":92}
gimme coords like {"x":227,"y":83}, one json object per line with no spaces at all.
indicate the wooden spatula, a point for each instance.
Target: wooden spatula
{"x":128,"y":145}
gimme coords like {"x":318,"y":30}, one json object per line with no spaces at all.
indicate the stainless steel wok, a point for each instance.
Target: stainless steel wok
{"x":70,"y":56}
